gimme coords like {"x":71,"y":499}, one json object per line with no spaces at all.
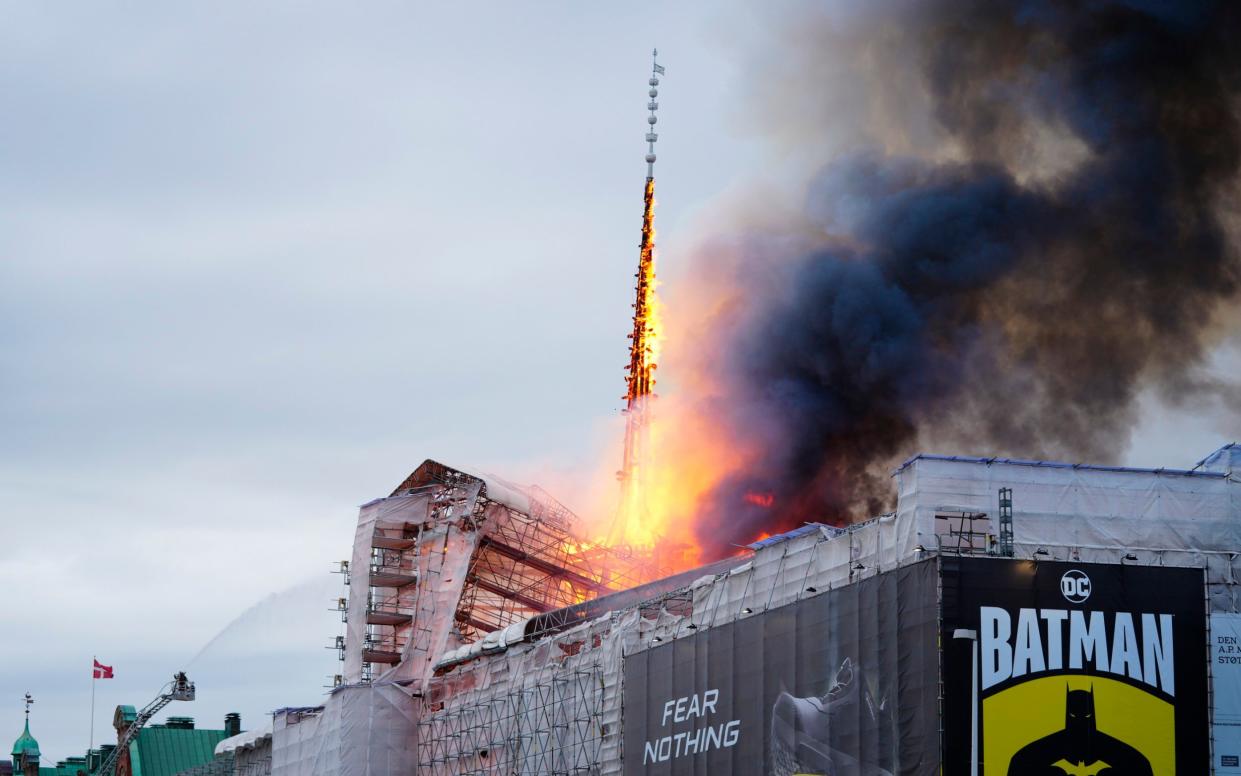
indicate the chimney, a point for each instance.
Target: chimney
{"x":232,"y":724}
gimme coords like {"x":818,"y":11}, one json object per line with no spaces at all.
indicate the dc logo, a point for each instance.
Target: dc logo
{"x":1075,"y":585}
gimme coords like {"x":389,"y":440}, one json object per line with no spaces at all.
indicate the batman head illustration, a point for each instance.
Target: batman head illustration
{"x":1079,"y":723}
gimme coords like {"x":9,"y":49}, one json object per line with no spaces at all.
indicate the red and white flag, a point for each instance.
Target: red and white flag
{"x":102,"y":671}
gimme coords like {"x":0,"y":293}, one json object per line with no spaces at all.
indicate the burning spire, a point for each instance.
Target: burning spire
{"x":631,"y":525}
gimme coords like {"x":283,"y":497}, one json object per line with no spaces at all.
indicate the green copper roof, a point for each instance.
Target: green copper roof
{"x":25,"y":744}
{"x":68,"y":767}
{"x":165,"y":751}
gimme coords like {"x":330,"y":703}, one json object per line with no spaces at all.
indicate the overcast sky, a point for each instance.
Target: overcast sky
{"x":258,"y":261}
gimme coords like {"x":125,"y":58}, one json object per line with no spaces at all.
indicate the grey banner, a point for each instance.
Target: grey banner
{"x":842,"y":683}
{"x":1226,"y":673}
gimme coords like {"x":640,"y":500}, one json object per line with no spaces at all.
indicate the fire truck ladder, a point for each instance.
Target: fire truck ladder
{"x":179,"y":689}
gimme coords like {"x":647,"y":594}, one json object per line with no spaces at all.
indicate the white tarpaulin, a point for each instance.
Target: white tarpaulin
{"x":394,"y":513}
{"x":246,"y":740}
{"x":1088,"y":513}
{"x":362,"y":730}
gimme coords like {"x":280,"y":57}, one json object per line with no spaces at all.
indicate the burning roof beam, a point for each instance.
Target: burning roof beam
{"x":550,"y":569}
{"x":511,"y":595}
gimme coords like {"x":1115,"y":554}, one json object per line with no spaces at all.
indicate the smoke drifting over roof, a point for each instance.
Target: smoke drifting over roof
{"x":1064,"y":243}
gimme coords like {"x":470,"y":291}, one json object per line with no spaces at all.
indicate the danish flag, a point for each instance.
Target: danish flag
{"x":101,"y":671}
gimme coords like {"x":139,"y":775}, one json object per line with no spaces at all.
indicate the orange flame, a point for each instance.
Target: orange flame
{"x":673,"y":458}
{"x":644,"y":340}
{"x":764,"y":500}
{"x":632,"y":525}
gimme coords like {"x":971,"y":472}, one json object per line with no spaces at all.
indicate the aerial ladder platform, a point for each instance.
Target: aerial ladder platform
{"x":179,"y":689}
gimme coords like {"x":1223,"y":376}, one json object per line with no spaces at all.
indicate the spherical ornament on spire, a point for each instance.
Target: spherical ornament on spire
{"x":654,"y":93}
{"x":650,"y":158}
{"x":651,"y":119}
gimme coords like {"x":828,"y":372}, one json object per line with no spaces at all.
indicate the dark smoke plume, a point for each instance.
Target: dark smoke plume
{"x":1018,"y":306}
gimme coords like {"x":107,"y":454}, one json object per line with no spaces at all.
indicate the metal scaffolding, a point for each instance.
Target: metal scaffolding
{"x":552,"y":725}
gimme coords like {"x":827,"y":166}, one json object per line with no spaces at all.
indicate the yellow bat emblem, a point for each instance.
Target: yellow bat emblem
{"x":1080,"y":770}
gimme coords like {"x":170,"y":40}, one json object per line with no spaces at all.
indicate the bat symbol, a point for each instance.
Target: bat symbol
{"x":1072,"y":769}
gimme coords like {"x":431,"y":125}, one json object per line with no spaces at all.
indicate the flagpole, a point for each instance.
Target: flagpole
{"x":94,"y":659}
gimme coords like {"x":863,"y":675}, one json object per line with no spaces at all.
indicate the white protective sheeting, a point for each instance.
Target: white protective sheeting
{"x":246,"y":740}
{"x":501,"y":490}
{"x":362,"y":730}
{"x":1078,"y":506}
{"x":1225,"y":460}
{"x":441,"y":562}
{"x":392,"y":512}
{"x":436,"y":602}
{"x":1094,"y":514}
{"x":300,"y":738}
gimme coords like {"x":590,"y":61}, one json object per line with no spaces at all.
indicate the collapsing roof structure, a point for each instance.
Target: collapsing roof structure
{"x":451,"y":556}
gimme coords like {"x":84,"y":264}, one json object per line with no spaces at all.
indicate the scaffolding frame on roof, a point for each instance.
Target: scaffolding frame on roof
{"x":525,"y":559}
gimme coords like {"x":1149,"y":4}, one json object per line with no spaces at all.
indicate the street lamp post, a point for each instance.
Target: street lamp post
{"x":972,"y":636}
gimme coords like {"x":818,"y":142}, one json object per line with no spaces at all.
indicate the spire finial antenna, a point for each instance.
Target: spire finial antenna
{"x":29,"y":700}
{"x":656,"y":71}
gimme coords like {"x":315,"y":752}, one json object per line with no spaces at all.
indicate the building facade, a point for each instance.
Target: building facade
{"x":901,"y":645}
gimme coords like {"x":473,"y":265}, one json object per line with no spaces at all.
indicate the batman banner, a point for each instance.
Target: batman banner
{"x":1073,"y":668}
